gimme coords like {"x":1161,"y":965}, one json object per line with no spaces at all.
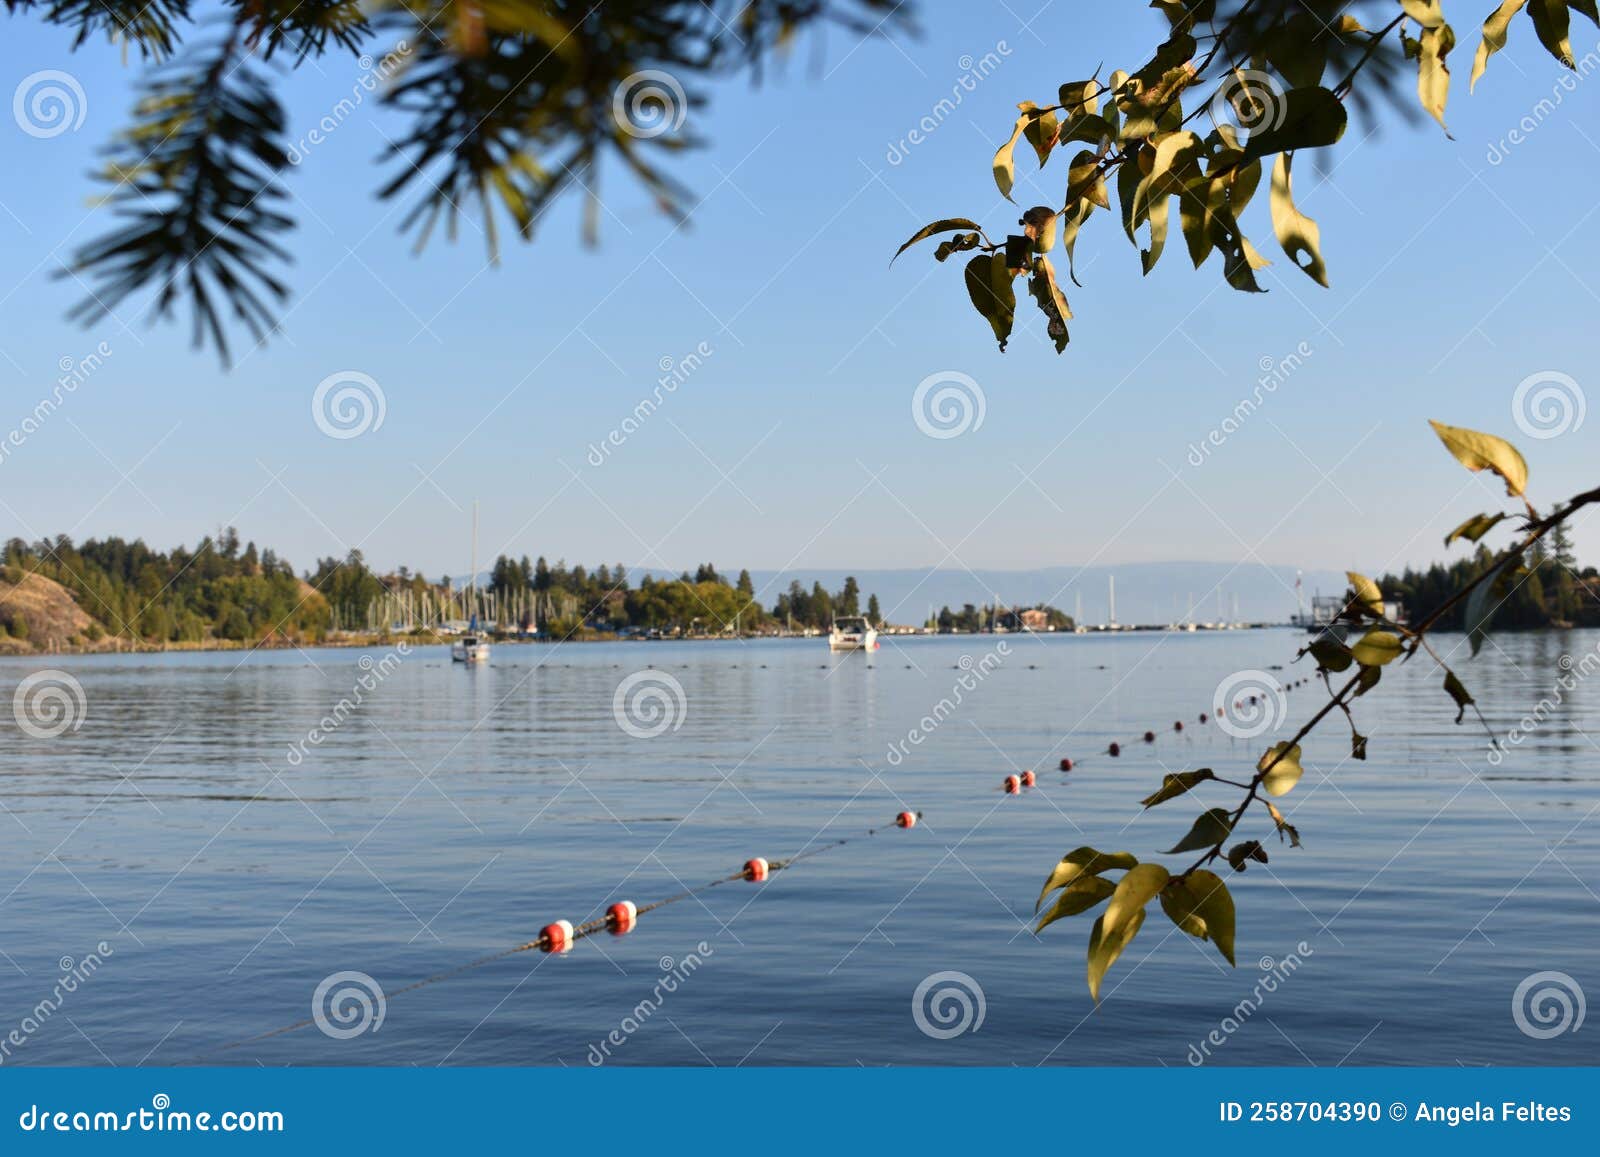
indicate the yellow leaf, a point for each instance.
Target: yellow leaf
{"x":1084,"y":861}
{"x":1200,"y":905}
{"x":1005,"y":168}
{"x":1285,"y":773}
{"x":1367,"y":592}
{"x":1478,"y":451}
{"x":1377,"y":648}
{"x":1137,"y":888}
{"x":1297,"y":233}
{"x":1105,"y":947}
{"x":1079,"y":896}
{"x":1495,"y":30}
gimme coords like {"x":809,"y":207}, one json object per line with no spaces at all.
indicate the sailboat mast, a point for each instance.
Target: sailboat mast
{"x":474,"y":610}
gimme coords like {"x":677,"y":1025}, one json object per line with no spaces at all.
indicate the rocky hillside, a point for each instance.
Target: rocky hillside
{"x":37,"y":614}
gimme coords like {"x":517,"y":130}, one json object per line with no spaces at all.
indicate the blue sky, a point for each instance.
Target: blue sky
{"x":793,"y":443}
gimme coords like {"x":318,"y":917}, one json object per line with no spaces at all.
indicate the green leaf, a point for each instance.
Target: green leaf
{"x":1284,"y":761}
{"x":960,"y":243}
{"x":1312,"y":119}
{"x":1041,"y":132}
{"x":989,"y":286}
{"x":1297,"y":233}
{"x":1377,"y":648}
{"x":1209,"y":830}
{"x":1042,"y":285}
{"x":1476,"y":614}
{"x":1105,"y":947}
{"x":1079,"y":98}
{"x":1331,"y":654}
{"x":1478,"y":451}
{"x":1079,"y":896}
{"x":1084,"y":179}
{"x":1366,"y":592}
{"x":1084,"y":861}
{"x":1200,"y":905}
{"x":1495,"y":31}
{"x":1551,"y":22}
{"x":1457,"y":691}
{"x":1367,"y":679}
{"x":947,"y":225}
{"x":1039,"y":224}
{"x":1174,"y":785}
{"x":1475,"y":527}
{"x":1240,"y":855}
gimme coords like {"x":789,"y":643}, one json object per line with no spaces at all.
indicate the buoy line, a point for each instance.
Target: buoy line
{"x":619,"y":919}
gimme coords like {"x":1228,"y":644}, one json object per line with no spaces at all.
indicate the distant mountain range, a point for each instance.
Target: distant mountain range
{"x":1147,"y":593}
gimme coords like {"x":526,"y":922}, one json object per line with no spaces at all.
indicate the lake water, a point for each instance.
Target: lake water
{"x":230,"y":864}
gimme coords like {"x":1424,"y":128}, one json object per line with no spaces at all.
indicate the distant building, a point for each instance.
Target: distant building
{"x":1035,"y":619}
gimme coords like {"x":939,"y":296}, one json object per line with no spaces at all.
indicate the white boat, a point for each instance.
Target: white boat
{"x":852,"y":633}
{"x":472,"y":647}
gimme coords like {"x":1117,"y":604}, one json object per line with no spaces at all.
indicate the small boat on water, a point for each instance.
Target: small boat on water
{"x":472,"y":647}
{"x":852,"y":633}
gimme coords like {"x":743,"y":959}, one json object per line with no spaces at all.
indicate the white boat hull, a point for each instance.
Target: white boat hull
{"x":469,"y":651}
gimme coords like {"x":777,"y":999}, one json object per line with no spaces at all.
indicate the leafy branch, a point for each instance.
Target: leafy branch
{"x":1195,"y":898}
{"x":1262,"y":82}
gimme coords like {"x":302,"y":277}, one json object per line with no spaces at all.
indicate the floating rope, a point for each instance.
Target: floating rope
{"x":619,"y":919}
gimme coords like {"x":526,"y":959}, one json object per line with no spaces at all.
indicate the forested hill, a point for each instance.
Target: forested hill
{"x":1549,"y":590}
{"x":56,"y":594}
